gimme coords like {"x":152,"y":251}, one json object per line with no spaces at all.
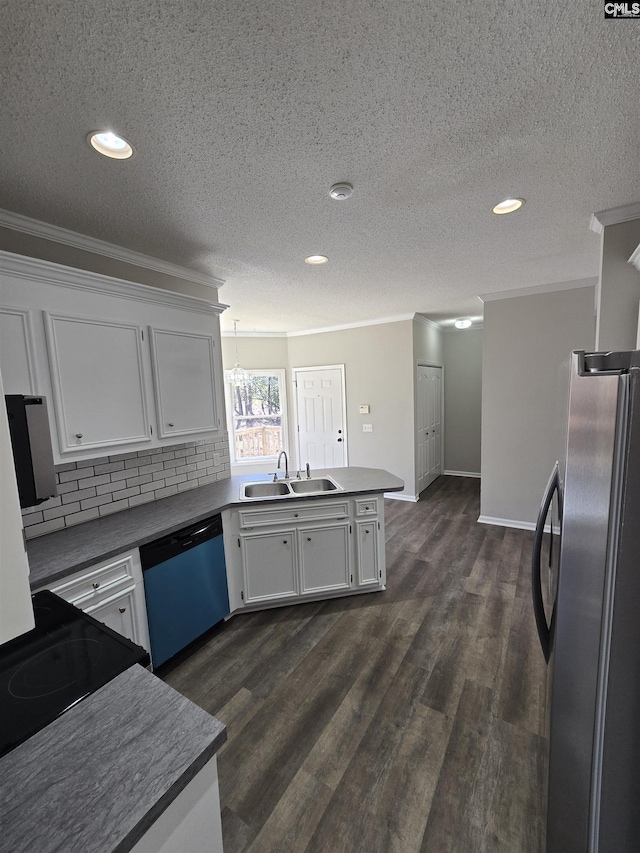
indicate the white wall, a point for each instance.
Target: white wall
{"x":528,"y":342}
{"x":618,"y":288}
{"x":16,"y":611}
{"x":378,"y":367}
{"x":462,"y":353}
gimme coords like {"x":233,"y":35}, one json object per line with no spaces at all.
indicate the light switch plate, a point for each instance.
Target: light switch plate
{"x":364,"y":410}
{"x":367,"y":427}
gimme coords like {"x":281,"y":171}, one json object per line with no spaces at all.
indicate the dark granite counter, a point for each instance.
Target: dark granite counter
{"x":95,"y":779}
{"x":56,"y":555}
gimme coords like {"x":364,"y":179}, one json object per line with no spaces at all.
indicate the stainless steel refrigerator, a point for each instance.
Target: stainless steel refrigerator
{"x":586,"y":594}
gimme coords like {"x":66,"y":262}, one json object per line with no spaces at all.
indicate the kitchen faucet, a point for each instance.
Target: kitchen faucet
{"x":286,"y":466}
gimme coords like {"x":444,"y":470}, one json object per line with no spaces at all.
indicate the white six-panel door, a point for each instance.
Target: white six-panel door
{"x":321,"y":426}
{"x":429,"y":426}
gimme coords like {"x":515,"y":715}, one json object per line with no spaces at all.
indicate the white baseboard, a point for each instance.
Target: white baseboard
{"x":462,"y":474}
{"x":396,"y":496}
{"x":519,"y":525}
{"x":507,"y":522}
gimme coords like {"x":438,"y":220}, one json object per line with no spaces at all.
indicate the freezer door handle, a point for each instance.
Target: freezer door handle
{"x":544,"y":632}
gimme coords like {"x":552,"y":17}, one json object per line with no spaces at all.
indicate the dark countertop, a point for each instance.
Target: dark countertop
{"x":95,"y":779}
{"x":59,"y":554}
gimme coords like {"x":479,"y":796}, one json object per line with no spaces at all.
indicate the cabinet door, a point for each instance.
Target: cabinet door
{"x":324,"y":557}
{"x":118,"y":613}
{"x":184,"y":382}
{"x":98,"y":383}
{"x":367,"y":552}
{"x":269,"y":566}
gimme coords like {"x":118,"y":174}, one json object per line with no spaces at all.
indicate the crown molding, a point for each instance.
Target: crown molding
{"x":542,"y":288}
{"x":380,"y":322}
{"x":420,"y":318}
{"x":34,"y":269}
{"x":17,"y":222}
{"x":635,"y":259}
{"x":614,"y":215}
{"x":231,"y":334}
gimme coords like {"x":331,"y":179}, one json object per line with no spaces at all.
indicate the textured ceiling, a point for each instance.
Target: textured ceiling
{"x":243,"y":113}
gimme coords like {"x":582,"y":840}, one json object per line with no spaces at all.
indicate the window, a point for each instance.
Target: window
{"x":256,"y":415}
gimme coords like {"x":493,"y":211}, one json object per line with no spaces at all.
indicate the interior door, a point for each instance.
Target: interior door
{"x":429,"y":425}
{"x":321,"y":426}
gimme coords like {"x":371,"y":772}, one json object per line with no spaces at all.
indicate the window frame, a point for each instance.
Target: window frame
{"x":281,"y":374}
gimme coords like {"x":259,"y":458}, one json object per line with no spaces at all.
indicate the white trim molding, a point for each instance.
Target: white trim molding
{"x":34,"y":269}
{"x":229,"y":333}
{"x":420,"y":318}
{"x":574,"y":284}
{"x":507,"y":522}
{"x":379,"y":322}
{"x":398,"y":496}
{"x":635,"y":259}
{"x":614,"y":215}
{"x":46,"y":231}
{"x":461,"y":474}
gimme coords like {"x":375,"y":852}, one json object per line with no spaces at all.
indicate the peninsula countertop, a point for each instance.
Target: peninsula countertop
{"x":97,"y":778}
{"x":64,"y":552}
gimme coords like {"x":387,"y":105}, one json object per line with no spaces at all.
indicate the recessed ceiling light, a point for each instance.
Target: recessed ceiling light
{"x":316,"y":259}
{"x":462,"y":324}
{"x":508,"y":206}
{"x":109,"y":144}
{"x":341,"y":192}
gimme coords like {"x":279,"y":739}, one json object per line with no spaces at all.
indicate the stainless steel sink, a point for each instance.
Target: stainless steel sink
{"x":265,"y":490}
{"x":288,"y":488}
{"x":315,"y":484}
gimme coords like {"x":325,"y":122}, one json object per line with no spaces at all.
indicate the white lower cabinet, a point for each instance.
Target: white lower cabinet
{"x":284,"y":551}
{"x":118,"y":613}
{"x":325,"y":563}
{"x":367,"y":550}
{"x":269,"y":566}
{"x":113,"y":593}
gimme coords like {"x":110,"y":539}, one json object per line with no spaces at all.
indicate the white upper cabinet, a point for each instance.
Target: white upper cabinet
{"x":123,"y":366}
{"x":184,"y":379}
{"x":98,"y":382}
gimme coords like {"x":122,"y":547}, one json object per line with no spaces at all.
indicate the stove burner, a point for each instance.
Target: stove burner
{"x":55,"y":668}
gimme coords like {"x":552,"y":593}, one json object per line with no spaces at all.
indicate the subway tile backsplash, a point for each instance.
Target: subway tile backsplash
{"x":96,"y":487}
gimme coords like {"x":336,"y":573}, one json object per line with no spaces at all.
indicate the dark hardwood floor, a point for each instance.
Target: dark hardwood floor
{"x":394,"y":722}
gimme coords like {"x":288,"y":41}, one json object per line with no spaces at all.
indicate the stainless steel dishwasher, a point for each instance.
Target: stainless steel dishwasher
{"x":185,"y":585}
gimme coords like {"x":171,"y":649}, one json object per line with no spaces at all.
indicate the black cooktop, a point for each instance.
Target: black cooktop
{"x":46,"y":671}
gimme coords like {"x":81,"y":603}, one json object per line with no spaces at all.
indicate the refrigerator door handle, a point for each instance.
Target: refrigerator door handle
{"x":544,"y":632}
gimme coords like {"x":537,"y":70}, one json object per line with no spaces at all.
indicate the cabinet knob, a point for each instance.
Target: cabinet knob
{"x":308,"y":539}
{"x":96,"y":584}
{"x":78,"y":435}
{"x":295,"y":514}
{"x":366,"y":509}
{"x":122,"y":609}
{"x":171,"y":425}
{"x":284,"y":541}
{"x":366,"y":531}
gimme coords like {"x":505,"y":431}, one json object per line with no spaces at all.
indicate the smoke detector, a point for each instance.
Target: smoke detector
{"x":341,"y":192}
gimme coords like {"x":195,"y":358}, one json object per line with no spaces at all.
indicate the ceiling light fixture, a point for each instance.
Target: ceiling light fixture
{"x":237,"y":376}
{"x":108,"y":143}
{"x":509,"y":205}
{"x":316,"y":259}
{"x":462,"y":324}
{"x":341,"y":191}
